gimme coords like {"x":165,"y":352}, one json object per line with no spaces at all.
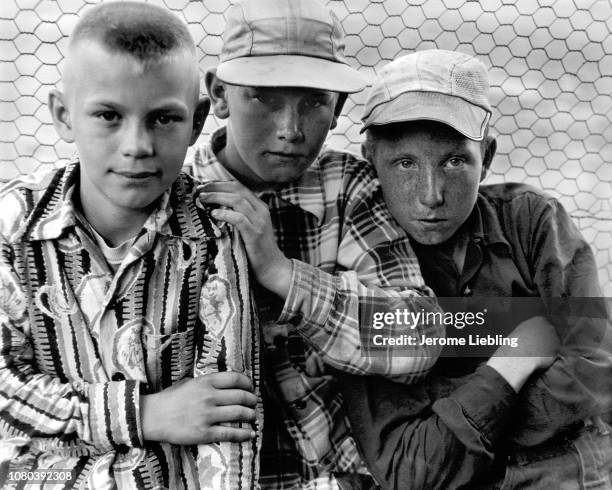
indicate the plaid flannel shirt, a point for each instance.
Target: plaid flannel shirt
{"x":344,"y":246}
{"x":79,"y":342}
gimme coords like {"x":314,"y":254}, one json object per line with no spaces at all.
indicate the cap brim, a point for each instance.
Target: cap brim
{"x":291,"y":71}
{"x":469,"y":119}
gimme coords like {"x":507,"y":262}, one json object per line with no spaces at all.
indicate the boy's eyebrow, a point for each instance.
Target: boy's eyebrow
{"x":101,"y":102}
{"x":168,"y":106}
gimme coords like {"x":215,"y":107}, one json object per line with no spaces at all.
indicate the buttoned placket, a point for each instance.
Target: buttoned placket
{"x":114,"y":285}
{"x":473,"y":262}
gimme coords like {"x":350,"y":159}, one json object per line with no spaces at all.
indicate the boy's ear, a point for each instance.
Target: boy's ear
{"x":490,"y":146}
{"x":364,"y":151}
{"x":199,"y":118}
{"x":61,"y":115}
{"x":217,"y":92}
{"x":338,"y":109}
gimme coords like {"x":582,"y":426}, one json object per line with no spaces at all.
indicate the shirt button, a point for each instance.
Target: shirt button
{"x":299,"y":404}
{"x":118,"y":377}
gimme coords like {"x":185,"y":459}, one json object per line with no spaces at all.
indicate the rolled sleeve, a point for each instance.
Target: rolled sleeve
{"x":311,"y":294}
{"x":478,"y":410}
{"x":406,"y":444}
{"x":114,"y":415}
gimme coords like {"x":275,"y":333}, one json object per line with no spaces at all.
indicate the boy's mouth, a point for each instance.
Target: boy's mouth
{"x":282,"y":155}
{"x":431,"y":223}
{"x":135,"y":175}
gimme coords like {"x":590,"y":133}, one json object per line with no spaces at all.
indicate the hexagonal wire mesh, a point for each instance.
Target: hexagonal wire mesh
{"x":550,"y":66}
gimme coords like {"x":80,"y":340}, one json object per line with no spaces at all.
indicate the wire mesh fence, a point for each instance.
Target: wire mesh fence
{"x":550,"y":67}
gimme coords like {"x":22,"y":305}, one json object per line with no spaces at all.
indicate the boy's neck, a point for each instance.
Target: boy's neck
{"x":459,"y":251}
{"x":115,"y":225}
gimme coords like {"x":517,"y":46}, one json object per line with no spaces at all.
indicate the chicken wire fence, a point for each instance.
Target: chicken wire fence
{"x":550,"y":67}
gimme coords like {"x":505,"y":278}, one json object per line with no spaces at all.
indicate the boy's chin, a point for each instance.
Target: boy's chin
{"x":430,"y":238}
{"x":277,"y":180}
{"x":140,"y":203}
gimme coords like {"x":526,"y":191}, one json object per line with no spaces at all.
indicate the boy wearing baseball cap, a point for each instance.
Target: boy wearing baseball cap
{"x":472,"y":422}
{"x":318,"y":235}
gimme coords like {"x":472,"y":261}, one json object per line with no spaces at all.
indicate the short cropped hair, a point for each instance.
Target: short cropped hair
{"x":142,"y":30}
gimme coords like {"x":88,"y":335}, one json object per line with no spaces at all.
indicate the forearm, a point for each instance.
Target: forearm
{"x":409,"y":443}
{"x":516,"y":371}
{"x":329,"y":312}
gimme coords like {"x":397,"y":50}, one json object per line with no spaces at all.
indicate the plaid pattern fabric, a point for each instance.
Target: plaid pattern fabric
{"x":344,"y":247}
{"x":80,"y":343}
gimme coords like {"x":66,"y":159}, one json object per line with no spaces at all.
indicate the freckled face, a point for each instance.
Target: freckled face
{"x":430,"y":177}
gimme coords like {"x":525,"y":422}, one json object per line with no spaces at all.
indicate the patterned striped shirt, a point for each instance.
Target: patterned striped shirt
{"x":79,"y":342}
{"x":345,"y":250}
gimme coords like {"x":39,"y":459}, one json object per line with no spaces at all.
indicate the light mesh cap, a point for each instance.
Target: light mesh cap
{"x":437,"y":85}
{"x":286,"y":43}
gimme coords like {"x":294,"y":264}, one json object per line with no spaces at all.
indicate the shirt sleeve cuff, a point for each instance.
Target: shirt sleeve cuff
{"x":486,"y":401}
{"x":114,"y":415}
{"x":311,"y":293}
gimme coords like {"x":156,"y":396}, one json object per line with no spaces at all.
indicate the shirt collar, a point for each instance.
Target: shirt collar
{"x":54,"y":211}
{"x":305,"y":193}
{"x":178,"y":214}
{"x":483,"y":223}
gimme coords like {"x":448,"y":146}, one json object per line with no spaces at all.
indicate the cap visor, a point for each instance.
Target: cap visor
{"x":470,"y":120}
{"x":291,"y":71}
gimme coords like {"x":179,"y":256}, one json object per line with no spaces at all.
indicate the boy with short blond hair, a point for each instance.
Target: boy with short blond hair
{"x":319,"y":238}
{"x":117,"y":287}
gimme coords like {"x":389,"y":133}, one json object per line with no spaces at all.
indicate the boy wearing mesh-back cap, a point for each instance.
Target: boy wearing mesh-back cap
{"x":319,"y":238}
{"x":529,"y":415}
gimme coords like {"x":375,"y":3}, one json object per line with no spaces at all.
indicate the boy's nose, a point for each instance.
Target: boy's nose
{"x":137,"y":141}
{"x":289,"y":126}
{"x":431,"y":189}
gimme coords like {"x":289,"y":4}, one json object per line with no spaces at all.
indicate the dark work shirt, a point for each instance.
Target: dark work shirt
{"x":520,"y":243}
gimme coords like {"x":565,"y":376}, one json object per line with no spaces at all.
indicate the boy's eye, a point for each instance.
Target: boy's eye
{"x":265,"y":99}
{"x":314,"y":103}
{"x":454,"y":162}
{"x":405,"y":163}
{"x":108,"y":116}
{"x":164,"y":119}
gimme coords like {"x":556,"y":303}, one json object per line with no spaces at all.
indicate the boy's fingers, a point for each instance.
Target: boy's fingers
{"x":233,"y":187}
{"x":231,"y":200}
{"x":230,"y":188}
{"x":229,"y":434}
{"x":232,"y":413}
{"x":235,"y":218}
{"x":231,"y":396}
{"x":229,"y":379}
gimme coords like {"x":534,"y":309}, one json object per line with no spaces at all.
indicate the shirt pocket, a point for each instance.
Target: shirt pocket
{"x":169,"y":357}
